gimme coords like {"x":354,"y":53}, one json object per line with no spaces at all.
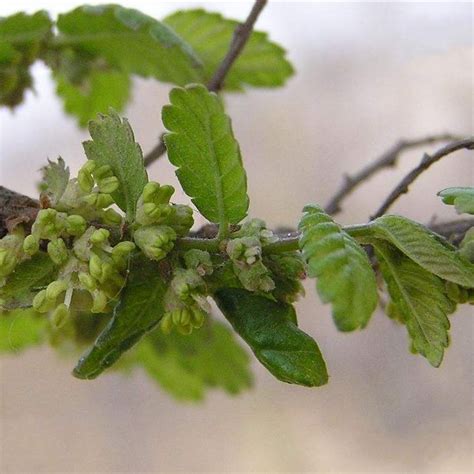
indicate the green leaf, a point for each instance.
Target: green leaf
{"x":36,"y":271}
{"x":420,"y":301}
{"x":140,"y":310}
{"x":202,"y":145}
{"x":186,"y":366}
{"x":94,"y":94}
{"x":113,"y":144}
{"x":55,"y":179}
{"x":20,"y":329}
{"x":262,"y":63}
{"x":461,"y":198}
{"x":427,"y":249}
{"x":268,"y":328}
{"x":129,"y":40}
{"x":22,"y":38}
{"x":344,"y":275}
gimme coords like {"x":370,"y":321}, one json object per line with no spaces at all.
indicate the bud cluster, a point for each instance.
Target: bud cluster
{"x":186,"y":301}
{"x":159,"y":222}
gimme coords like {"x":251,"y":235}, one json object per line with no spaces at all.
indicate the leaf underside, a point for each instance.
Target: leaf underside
{"x":341,"y":267}
{"x":419,"y":300}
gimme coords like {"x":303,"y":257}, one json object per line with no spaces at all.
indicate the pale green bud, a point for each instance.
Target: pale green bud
{"x":75,"y":225}
{"x":112,"y":217}
{"x":108,"y":185}
{"x":99,"y":236}
{"x":149,"y":191}
{"x":155,"y":241}
{"x":57,"y":251}
{"x":31,"y":245}
{"x":55,"y":288}
{"x":185,"y":329}
{"x":198,"y":317}
{"x":167,"y":323}
{"x":102,"y":172}
{"x":152,"y":210}
{"x":85,"y":181}
{"x":87,"y":280}
{"x":95,"y":266}
{"x":49,"y":224}
{"x":122,"y":249}
{"x":42,"y":303}
{"x":8,"y":261}
{"x":198,"y":260}
{"x":164,"y":194}
{"x":98,"y":200}
{"x":99,"y":302}
{"x":60,"y":315}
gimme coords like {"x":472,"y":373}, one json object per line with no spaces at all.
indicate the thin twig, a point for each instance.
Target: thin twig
{"x":426,"y":162}
{"x":239,"y":40}
{"x":386,"y":160}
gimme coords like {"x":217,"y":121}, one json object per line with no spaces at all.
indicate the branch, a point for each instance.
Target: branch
{"x":426,"y":162}
{"x":239,"y":40}
{"x":386,"y":160}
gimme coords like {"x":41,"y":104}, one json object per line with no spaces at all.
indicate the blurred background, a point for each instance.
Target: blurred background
{"x":367,"y":75}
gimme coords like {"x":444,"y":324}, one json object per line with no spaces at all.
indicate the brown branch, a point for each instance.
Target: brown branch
{"x":386,"y":160}
{"x":15,"y":208}
{"x":426,"y":162}
{"x":239,"y":40}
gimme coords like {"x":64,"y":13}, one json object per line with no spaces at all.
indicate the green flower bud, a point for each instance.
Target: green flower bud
{"x":42,"y":303}
{"x":87,"y":280}
{"x":99,"y":236}
{"x":75,"y":225}
{"x":99,"y":302}
{"x":185,"y":329}
{"x":149,"y":191}
{"x":152,"y":210}
{"x":49,"y":224}
{"x":60,"y":315}
{"x":166,"y":324}
{"x":57,"y":251}
{"x":108,"y":185}
{"x":55,"y":288}
{"x":30,"y":245}
{"x":123,"y":249}
{"x":164,"y":194}
{"x":180,"y":218}
{"x":155,"y":241}
{"x":102,"y":172}
{"x":98,"y":200}
{"x":198,"y":317}
{"x":111,"y":217}
{"x":95,"y":267}
{"x":85,"y":181}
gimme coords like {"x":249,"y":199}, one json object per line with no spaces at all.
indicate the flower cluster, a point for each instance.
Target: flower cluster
{"x":186,"y":300}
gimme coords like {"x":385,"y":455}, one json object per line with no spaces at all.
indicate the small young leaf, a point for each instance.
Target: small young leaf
{"x":129,"y":40}
{"x":201,"y":144}
{"x":20,"y":329}
{"x":22,"y":38}
{"x":113,"y":144}
{"x":140,"y":310}
{"x":94,"y":94}
{"x":268,"y":328}
{"x":55,"y":179}
{"x":186,"y":366}
{"x":424,"y":247}
{"x":33,"y":272}
{"x":461,"y":198}
{"x":345,"y":277}
{"x":420,"y":301}
{"x":262,"y":63}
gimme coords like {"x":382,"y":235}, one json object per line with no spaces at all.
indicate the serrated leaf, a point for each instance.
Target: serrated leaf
{"x":94,"y":94}
{"x":262,"y":63}
{"x":139,"y":311}
{"x":268,"y":328}
{"x":461,"y":198}
{"x":113,"y":144}
{"x":202,"y":145}
{"x":344,"y":274}
{"x":29,"y":274}
{"x":427,"y":249}
{"x":22,"y":38}
{"x":129,"y":40}
{"x":55,"y":179}
{"x":20,"y":329}
{"x":420,"y":298}
{"x":186,"y":366}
